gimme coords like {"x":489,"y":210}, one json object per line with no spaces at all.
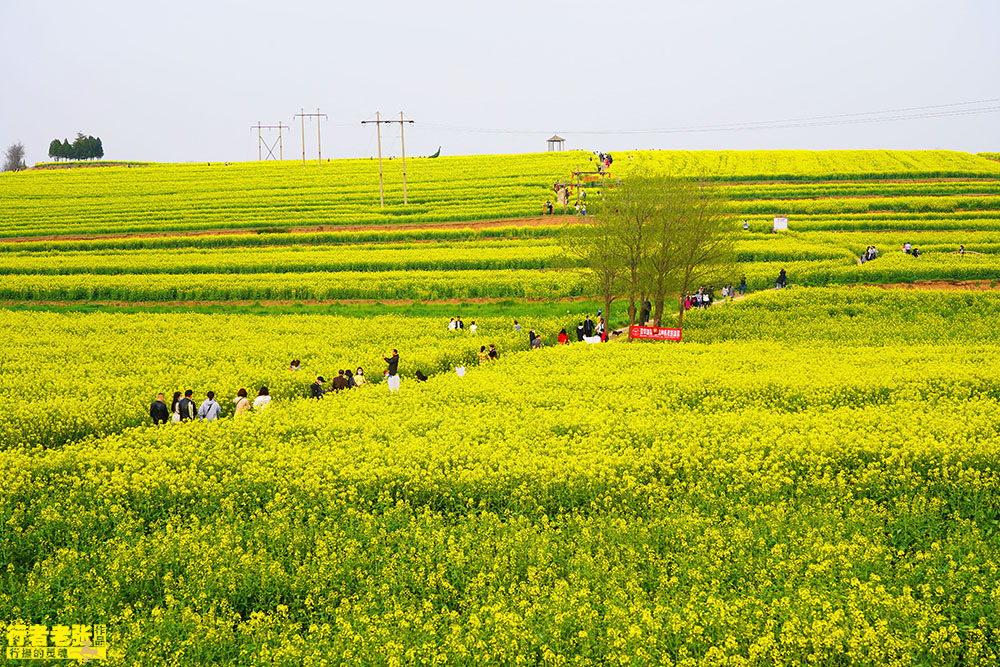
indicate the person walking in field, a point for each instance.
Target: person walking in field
{"x":339,"y":382}
{"x":392,"y":372}
{"x":588,"y":327}
{"x":158,"y":410}
{"x":473,"y":328}
{"x":263,"y":399}
{"x":316,"y":388}
{"x":242,"y":402}
{"x":484,"y":356}
{"x":175,"y":411}
{"x":209,"y":410}
{"x":186,"y":406}
{"x":743,"y":285}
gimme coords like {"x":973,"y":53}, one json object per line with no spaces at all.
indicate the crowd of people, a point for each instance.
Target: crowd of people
{"x":869,"y":254}
{"x":185,"y":408}
{"x":913,"y":252}
{"x":705,"y":296}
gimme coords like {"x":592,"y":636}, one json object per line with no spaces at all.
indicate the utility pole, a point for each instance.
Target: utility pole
{"x":402,"y":145}
{"x":265,"y":144}
{"x":378,"y":131}
{"x":319,"y":146}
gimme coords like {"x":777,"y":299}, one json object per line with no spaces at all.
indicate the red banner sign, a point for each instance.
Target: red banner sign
{"x":654,"y":333}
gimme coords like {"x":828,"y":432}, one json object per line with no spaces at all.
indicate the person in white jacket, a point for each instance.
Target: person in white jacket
{"x":209,"y":410}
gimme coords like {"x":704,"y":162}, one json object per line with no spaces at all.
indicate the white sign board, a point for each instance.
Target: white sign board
{"x":780,"y":224}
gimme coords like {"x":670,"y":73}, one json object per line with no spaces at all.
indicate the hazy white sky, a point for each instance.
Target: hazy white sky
{"x":183,"y":81}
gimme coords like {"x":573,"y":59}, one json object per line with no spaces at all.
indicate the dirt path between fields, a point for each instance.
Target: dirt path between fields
{"x":541,"y":221}
{"x":945,"y":285}
{"x":304,"y":302}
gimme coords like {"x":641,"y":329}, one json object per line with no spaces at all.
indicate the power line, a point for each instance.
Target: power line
{"x":808,"y":121}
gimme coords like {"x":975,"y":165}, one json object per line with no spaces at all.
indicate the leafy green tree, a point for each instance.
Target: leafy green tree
{"x":55,"y":149}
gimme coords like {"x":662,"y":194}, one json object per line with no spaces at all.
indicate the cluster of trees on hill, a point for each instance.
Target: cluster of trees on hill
{"x":82,"y":148}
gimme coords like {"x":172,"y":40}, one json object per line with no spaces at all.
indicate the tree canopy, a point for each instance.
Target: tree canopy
{"x":654,"y":237}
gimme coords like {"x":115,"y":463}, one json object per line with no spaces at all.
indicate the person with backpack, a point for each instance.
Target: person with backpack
{"x":209,"y":410}
{"x":158,"y":410}
{"x":186,"y":406}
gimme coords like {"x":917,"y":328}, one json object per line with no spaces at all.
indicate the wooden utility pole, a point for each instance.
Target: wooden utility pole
{"x":269,"y":146}
{"x":378,"y":131}
{"x":319,"y":146}
{"x":402,"y":145}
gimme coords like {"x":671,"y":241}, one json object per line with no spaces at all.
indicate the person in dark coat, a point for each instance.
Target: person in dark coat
{"x":647,"y":309}
{"x":340,"y":382}
{"x":316,"y":388}
{"x":392,"y":372}
{"x":782,"y":280}
{"x":588,"y":327}
{"x":579,"y":332}
{"x":187,"y":407}
{"x":158,"y":410}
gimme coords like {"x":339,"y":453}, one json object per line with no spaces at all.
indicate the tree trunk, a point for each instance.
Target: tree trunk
{"x":680,"y":313}
{"x":607,"y":316}
{"x":631,"y":311}
{"x":658,"y":312}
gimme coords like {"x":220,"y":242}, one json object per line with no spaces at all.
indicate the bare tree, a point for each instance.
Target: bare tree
{"x":658,"y":236}
{"x":630,"y":212}
{"x":14,"y":159}
{"x":704,"y":241}
{"x":597,"y":247}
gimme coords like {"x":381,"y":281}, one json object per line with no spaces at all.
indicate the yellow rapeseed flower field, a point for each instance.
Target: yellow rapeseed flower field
{"x":811,"y":478}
